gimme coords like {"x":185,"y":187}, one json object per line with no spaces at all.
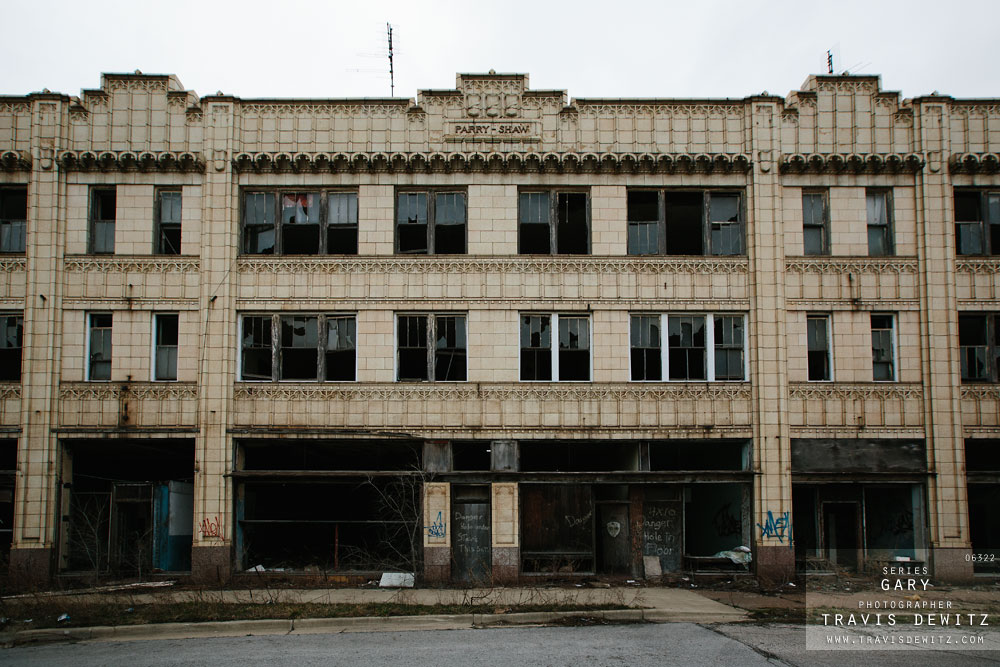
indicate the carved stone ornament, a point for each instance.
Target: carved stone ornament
{"x":875,"y":390}
{"x":874,"y":163}
{"x":124,"y":264}
{"x":130,"y":161}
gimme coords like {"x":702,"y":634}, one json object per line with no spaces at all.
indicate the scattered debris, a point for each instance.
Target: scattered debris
{"x":256,"y":568}
{"x":396,"y":580}
{"x":62,"y":618}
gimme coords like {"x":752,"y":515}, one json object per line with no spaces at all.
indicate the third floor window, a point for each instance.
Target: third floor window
{"x":13,"y":218}
{"x":300,"y":223}
{"x":685,"y":222}
{"x":553,"y":222}
{"x":977,"y":222}
{"x":431,"y":222}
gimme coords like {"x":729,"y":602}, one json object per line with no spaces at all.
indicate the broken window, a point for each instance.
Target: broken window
{"x":977,"y":222}
{"x":300,"y":223}
{"x":879,"y":207}
{"x":99,"y":346}
{"x":979,"y":343}
{"x":818,"y":346}
{"x":11,"y":343}
{"x":431,"y":348}
{"x":684,"y":222}
{"x":430,"y":222}
{"x":165,"y":361}
{"x":310,"y":347}
{"x":883,"y":348}
{"x":103,"y":202}
{"x":815,"y":223}
{"x":542,"y":361}
{"x":553,"y":222}
{"x":168,"y":222}
{"x":706,"y":347}
{"x":13,"y":219}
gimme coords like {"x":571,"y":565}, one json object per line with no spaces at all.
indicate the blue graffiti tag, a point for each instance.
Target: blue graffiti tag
{"x":780,"y":527}
{"x":437,"y":528}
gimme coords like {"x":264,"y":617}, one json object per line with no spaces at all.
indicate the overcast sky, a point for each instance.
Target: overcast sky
{"x":612,"y":48}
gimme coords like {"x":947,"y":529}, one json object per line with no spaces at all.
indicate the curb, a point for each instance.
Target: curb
{"x":360,"y":624}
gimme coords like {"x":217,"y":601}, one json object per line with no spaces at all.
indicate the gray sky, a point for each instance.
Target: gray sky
{"x":614,"y":48}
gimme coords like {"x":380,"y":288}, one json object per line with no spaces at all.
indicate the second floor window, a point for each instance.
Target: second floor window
{"x":300,"y":223}
{"x":818,"y":348}
{"x":815,"y":223}
{"x":304,"y":347}
{"x":977,"y":222}
{"x":883,"y":348}
{"x":553,"y":223}
{"x":168,"y":222}
{"x":697,"y":347}
{"x":430,"y":348}
{"x":431,"y":222}
{"x":11,"y":345}
{"x":684,"y":222}
{"x":103,"y":202}
{"x":979,"y":344}
{"x":99,"y":346}
{"x":165,"y":329}
{"x":563,"y":357}
{"x":13,"y":219}
{"x":878,"y":204}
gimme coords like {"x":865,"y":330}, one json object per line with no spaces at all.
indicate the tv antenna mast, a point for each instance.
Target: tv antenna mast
{"x":392,"y":80}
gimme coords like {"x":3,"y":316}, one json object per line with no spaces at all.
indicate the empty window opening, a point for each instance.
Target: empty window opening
{"x":8,"y":474}
{"x":472,"y":455}
{"x":579,"y":456}
{"x":818,"y":346}
{"x":815,"y":223}
{"x":681,"y":455}
{"x":103,"y":202}
{"x":644,"y":217}
{"x":310,"y":347}
{"x":13,"y":219}
{"x":883,"y":348}
{"x":565,"y":357}
{"x":684,"y":222}
{"x":300,"y":218}
{"x":679,"y":222}
{"x":431,"y":348}
{"x":326,"y":455}
{"x":977,"y":222}
{"x":431,"y":222}
{"x":558,"y":221}
{"x":166,"y":347}
{"x":99,"y":346}
{"x":979,"y":345}
{"x":168,"y":222}
{"x":11,"y":345}
{"x":300,"y":223}
{"x":713,"y":519}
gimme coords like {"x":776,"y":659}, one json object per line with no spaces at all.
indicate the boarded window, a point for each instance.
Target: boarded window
{"x":557,"y":528}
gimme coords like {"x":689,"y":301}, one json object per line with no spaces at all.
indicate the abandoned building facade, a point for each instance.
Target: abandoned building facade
{"x":493,"y":333}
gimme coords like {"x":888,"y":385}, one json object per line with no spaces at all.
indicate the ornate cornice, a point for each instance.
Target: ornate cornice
{"x":131,"y":264}
{"x":345,"y":109}
{"x":15,"y":161}
{"x":131,"y":161}
{"x":874,"y":390}
{"x":974,"y":163}
{"x":505,"y":392}
{"x":990,"y":392}
{"x":667,"y":109}
{"x":872,"y":163}
{"x":573,"y":163}
{"x":845,"y":265}
{"x":380,"y":265}
{"x":157,"y":391}
{"x":979,"y":265}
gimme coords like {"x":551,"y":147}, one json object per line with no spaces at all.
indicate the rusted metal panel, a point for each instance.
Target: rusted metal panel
{"x":861,"y":455}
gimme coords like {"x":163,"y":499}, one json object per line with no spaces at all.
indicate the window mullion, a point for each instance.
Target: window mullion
{"x":554,"y":348}
{"x":275,"y":347}
{"x":431,"y":213}
{"x":706,"y":224}
{"x":664,"y":349}
{"x":710,"y":347}
{"x":279,"y":247}
{"x":324,"y":217}
{"x":321,"y":339}
{"x":430,"y":328}
{"x":661,"y":223}
{"x":553,"y":224}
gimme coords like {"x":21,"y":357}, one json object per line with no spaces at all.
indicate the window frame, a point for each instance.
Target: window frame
{"x":555,"y":320}
{"x":710,"y":349}
{"x":431,"y":338}
{"x":707,"y":223}
{"x":156,"y":346}
{"x":984,"y":225}
{"x":823,"y":226}
{"x":159,"y":245}
{"x":893,"y":346}
{"x":828,"y":333}
{"x":553,"y":194}
{"x":991,"y":348}
{"x":431,"y":194}
{"x":93,"y":220}
{"x":322,"y":330}
{"x":89,"y":358}
{"x":889,"y":228}
{"x":6,"y":191}
{"x":324,"y":225}
{"x":19,"y":324}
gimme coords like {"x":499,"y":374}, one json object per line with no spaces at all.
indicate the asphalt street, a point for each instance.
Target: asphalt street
{"x":746,"y":645}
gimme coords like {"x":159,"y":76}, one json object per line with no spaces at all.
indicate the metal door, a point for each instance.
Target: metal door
{"x":613,"y":538}
{"x":471,"y":542}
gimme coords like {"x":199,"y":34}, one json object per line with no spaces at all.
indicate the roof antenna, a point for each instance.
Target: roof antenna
{"x":392,"y":80}
{"x":829,"y":58}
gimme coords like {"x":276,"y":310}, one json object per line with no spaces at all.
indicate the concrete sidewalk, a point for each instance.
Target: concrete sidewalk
{"x":651,"y":604}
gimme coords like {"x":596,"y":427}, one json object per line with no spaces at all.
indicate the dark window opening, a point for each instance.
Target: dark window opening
{"x":679,"y":455}
{"x":533,"y":234}
{"x":341,"y":350}
{"x":979,"y":346}
{"x":729,"y":339}
{"x":327,"y":455}
{"x":472,"y":455}
{"x":684,"y":223}
{"x":13,"y":219}
{"x":646,"y":363}
{"x":103,"y":202}
{"x":99,"y":325}
{"x":11,"y":345}
{"x":977,"y":222}
{"x":574,"y":349}
{"x":815,"y":223}
{"x":982,"y":455}
{"x":299,"y":348}
{"x":686,"y":336}
{"x":256,"y":357}
{"x":259,"y":223}
{"x":431,"y":348}
{"x":678,"y":222}
{"x":165,"y":364}
{"x":411,"y":222}
{"x":449,"y":350}
{"x":311,"y":347}
{"x":412,"y":345}
{"x":559,"y":220}
{"x":536,"y":347}
{"x":168,"y":222}
{"x":300,"y":223}
{"x":342,"y":223}
{"x":879,"y":209}
{"x":818,"y":347}
{"x":644,"y":222}
{"x":572,"y":235}
{"x":431,"y":223}
{"x":585,"y":456}
{"x":883,"y":362}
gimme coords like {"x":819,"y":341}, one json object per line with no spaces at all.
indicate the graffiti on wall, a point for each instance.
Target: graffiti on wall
{"x":210,"y":528}
{"x":437,"y":527}
{"x":778,"y":527}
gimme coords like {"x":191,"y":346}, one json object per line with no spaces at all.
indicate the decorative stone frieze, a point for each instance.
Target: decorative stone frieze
{"x":131,"y":161}
{"x":851,"y":163}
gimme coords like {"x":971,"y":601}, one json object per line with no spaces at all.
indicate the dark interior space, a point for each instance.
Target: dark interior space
{"x":585,"y":456}
{"x":684,"y":223}
{"x":365,"y":455}
{"x":722,"y":455}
